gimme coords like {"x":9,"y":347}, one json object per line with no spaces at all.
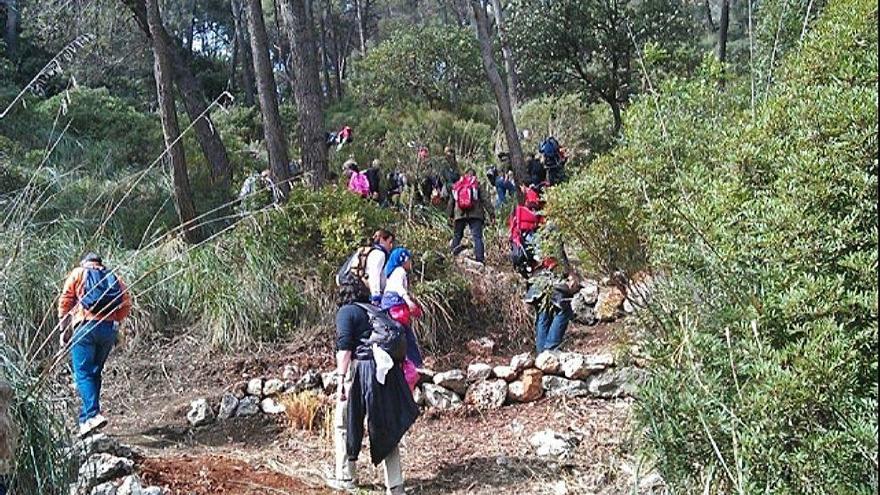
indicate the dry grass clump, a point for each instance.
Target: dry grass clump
{"x":308,"y":411}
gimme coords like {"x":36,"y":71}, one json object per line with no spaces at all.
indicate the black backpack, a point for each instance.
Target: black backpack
{"x":387,"y":333}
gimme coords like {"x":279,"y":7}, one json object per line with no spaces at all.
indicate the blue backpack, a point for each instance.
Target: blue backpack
{"x":550,"y":147}
{"x":102,"y":293}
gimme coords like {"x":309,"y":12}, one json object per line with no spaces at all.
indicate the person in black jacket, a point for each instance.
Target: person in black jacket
{"x":537,"y":172}
{"x":374,"y":176}
{"x":388,"y":408}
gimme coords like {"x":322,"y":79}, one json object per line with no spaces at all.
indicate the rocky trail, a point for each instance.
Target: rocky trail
{"x":196,"y":423}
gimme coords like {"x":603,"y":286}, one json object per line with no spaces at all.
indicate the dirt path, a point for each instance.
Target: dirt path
{"x":459,"y":452}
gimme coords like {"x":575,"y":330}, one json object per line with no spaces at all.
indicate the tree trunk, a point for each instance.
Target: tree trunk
{"x":247,"y":62}
{"x":309,"y":100}
{"x":276,"y":144}
{"x":10,"y":34}
{"x":616,"y":112}
{"x":507,"y":53}
{"x":707,"y":8}
{"x":284,"y":50}
{"x":363,"y":13}
{"x":193,"y":98}
{"x":325,"y":61}
{"x":501,"y":96}
{"x":233,"y":63}
{"x":186,"y":210}
{"x":724,"y":26}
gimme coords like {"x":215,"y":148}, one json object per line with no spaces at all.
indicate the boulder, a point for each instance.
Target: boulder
{"x":228,"y":405}
{"x":249,"y":406}
{"x":100,"y":443}
{"x":100,"y":468}
{"x":589,"y":292}
{"x":329,"y":381}
{"x":478,"y":372}
{"x":549,"y":362}
{"x":528,"y":388}
{"x":505,"y":373}
{"x":108,"y":488}
{"x":290,"y":373}
{"x":560,"y":387}
{"x":577,"y":366}
{"x":583,"y":303}
{"x":271,"y":406}
{"x":131,"y":485}
{"x":454,"y":380}
{"x":552,"y":443}
{"x":440,"y":398}
{"x":615,"y":383}
{"x":419,"y":396}
{"x":610,"y":303}
{"x":255,"y":387}
{"x":489,"y":394}
{"x":482,"y":347}
{"x":272,"y":386}
{"x":522,"y":362}
{"x":426,"y":375}
{"x":311,"y":380}
{"x":200,"y":413}
{"x":153,"y":490}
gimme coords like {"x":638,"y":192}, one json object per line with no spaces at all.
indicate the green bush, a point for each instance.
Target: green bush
{"x":761,"y":226}
{"x":586,"y":130}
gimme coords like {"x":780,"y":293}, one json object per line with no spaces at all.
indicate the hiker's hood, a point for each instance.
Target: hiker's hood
{"x":398,"y":257}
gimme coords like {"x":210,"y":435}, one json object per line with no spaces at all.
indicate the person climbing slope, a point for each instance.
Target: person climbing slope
{"x":523,"y":225}
{"x":371,"y":385}
{"x":368,"y":264}
{"x":401,"y":306}
{"x":550,"y":291}
{"x":357,"y":180}
{"x":93,"y":302}
{"x":468,"y":208}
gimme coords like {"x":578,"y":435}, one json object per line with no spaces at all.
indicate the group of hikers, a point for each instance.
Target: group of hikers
{"x":377,"y":353}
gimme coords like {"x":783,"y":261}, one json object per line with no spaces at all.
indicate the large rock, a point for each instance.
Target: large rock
{"x":589,"y":292}
{"x":454,"y":380}
{"x":577,"y":366}
{"x":255,"y":387}
{"x":271,"y":406}
{"x":505,"y":373}
{"x":100,"y":468}
{"x":100,"y":443}
{"x":228,"y":405}
{"x":311,"y":380}
{"x":440,"y":398}
{"x":489,"y":394}
{"x":272,"y":386}
{"x":522,"y":362}
{"x":478,"y":372}
{"x":131,"y":485}
{"x":610,"y":303}
{"x":583,"y":303}
{"x":556,"y":386}
{"x":108,"y":488}
{"x":153,"y":490}
{"x":200,"y":413}
{"x":482,"y":347}
{"x":552,"y":443}
{"x":528,"y":388}
{"x":249,"y":406}
{"x":615,"y":383}
{"x":549,"y":362}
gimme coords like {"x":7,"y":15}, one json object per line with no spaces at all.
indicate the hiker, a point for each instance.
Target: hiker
{"x":371,"y":385}
{"x":374,"y":176}
{"x":523,"y":225}
{"x":551,"y":288}
{"x":396,"y":184}
{"x":357,"y":180}
{"x":93,"y":302}
{"x":8,"y":437}
{"x":553,"y":160}
{"x":504,"y":187}
{"x":536,"y":170}
{"x":368,"y":264}
{"x":467,"y":208}
{"x":400,"y":305}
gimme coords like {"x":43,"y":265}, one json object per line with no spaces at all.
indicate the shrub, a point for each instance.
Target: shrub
{"x":586,"y":130}
{"x":762,"y":224}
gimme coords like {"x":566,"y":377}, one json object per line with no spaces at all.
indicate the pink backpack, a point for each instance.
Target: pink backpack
{"x":359,"y":184}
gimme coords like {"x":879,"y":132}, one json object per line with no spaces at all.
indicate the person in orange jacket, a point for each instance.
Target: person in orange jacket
{"x":93,"y":302}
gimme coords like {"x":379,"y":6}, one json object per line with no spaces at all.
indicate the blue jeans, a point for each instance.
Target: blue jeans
{"x":476,"y":226}
{"x":550,"y":326}
{"x":92,"y":342}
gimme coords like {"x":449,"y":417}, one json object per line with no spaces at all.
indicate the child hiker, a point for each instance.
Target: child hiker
{"x":401,"y":306}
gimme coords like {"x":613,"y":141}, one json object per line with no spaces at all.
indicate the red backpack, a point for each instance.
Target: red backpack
{"x":466,"y":193}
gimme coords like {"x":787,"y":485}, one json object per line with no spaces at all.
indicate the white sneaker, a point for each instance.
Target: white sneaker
{"x":397,"y":490}
{"x":92,"y":424}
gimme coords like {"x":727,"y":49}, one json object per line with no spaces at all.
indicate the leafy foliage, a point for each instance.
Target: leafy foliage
{"x":762,"y":228}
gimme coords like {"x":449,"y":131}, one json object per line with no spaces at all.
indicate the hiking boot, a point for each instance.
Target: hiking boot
{"x":342,"y":485}
{"x":92,"y":424}
{"x":397,"y":490}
